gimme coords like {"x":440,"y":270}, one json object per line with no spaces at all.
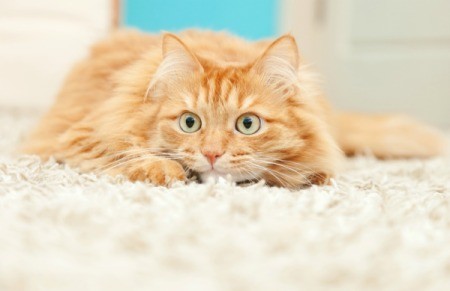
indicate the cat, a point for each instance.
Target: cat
{"x":160,"y":108}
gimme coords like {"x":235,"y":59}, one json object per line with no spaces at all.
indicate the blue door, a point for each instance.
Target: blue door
{"x":252,"y":19}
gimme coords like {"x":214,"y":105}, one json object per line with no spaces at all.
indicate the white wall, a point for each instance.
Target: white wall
{"x":40,"y":41}
{"x":378,"y":56}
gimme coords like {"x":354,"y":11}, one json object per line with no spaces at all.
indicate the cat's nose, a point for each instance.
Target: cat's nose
{"x":212,"y":156}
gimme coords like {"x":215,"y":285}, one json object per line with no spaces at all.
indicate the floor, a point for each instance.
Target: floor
{"x":381,"y":225}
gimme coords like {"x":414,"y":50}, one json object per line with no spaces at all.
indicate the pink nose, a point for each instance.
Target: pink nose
{"x":212,"y":156}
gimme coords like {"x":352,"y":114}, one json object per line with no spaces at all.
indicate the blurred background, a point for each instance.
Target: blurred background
{"x":374,"y":56}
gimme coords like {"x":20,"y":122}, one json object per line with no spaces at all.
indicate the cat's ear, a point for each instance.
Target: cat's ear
{"x":177,"y":57}
{"x":279,"y":63}
{"x":178,"y":62}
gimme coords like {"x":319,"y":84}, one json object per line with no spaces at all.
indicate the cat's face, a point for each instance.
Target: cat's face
{"x":245,"y":121}
{"x":233,"y":130}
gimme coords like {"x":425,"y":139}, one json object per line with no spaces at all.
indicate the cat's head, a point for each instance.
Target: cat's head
{"x":245,"y":120}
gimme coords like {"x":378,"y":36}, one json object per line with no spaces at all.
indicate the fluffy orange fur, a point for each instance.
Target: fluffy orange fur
{"x":122,"y":110}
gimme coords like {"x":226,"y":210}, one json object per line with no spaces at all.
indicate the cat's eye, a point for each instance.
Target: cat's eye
{"x":248,"y":124}
{"x":190,"y":122}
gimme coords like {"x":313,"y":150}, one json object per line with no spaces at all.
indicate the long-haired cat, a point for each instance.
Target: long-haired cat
{"x":159,"y":108}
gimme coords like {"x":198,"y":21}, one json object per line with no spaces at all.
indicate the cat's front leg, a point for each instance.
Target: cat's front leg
{"x":294,"y":179}
{"x":161,"y":172}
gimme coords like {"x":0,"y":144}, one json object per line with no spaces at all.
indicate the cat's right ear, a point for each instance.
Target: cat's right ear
{"x":279,"y":64}
{"x":178,"y":62}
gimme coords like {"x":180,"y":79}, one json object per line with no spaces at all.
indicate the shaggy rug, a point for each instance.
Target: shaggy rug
{"x":381,"y":225}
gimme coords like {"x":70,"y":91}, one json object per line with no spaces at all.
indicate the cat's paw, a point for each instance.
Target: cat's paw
{"x":297,"y":180}
{"x":319,"y":179}
{"x":161,"y":173}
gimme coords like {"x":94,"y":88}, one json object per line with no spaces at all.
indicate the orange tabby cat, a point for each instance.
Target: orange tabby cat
{"x":158,"y":108}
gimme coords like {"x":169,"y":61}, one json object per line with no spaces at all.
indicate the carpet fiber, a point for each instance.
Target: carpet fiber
{"x":382,"y":225}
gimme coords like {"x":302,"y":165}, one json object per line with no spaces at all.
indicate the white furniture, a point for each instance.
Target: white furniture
{"x":40,"y":41}
{"x":378,"y":55}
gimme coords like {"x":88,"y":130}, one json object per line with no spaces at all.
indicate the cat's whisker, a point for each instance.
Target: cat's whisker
{"x":248,"y":172}
{"x":304,"y":177}
{"x":247,"y":166}
{"x":119,"y":162}
{"x":299,"y":166}
{"x":281,"y":165}
{"x":144,"y":150}
{"x":116,"y":161}
{"x":307,"y":170}
{"x":137,"y":159}
{"x":131,"y":156}
{"x":276,"y":174}
{"x":253,"y":175}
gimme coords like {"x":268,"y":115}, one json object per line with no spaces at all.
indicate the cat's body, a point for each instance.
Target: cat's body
{"x":152,"y":108}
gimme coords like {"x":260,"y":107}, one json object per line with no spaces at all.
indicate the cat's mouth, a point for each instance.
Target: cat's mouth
{"x":216,"y":175}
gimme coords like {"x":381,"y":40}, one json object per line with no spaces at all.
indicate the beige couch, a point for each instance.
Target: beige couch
{"x":40,"y":40}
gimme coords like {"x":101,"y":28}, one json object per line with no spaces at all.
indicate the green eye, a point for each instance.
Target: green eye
{"x":248,"y":124}
{"x":190,"y":122}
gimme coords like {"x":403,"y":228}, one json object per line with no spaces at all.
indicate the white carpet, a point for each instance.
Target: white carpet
{"x":383,"y":225}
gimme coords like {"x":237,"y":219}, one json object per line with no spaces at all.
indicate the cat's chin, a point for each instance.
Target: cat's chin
{"x":214,"y":175}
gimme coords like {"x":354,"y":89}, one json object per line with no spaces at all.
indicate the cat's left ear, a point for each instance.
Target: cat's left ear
{"x":178,"y":62}
{"x":177,"y":57}
{"x":280,"y":61}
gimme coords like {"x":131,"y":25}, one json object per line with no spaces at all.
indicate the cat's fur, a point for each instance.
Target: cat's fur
{"x":118,"y":112}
